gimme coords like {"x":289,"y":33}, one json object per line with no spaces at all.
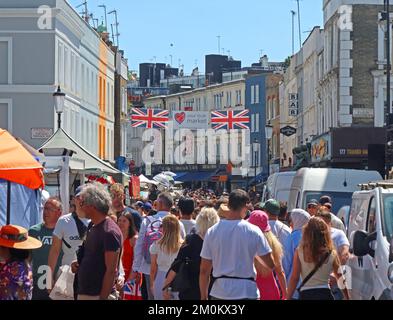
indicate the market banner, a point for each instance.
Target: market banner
{"x":190,"y":120}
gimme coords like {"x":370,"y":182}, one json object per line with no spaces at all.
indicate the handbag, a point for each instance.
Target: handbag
{"x":181,"y":282}
{"x":132,"y":291}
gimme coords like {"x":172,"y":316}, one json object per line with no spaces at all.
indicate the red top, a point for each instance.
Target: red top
{"x":128,"y":257}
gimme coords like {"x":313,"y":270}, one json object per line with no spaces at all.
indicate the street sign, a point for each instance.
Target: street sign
{"x":288,"y":131}
{"x":293,"y":107}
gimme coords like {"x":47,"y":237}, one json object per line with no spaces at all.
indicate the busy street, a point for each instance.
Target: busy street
{"x":191,"y":175}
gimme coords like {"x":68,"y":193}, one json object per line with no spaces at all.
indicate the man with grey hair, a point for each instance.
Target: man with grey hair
{"x":150,"y":225}
{"x":98,"y":268}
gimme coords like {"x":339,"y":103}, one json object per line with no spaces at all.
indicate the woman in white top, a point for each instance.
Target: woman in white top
{"x":163,"y":253}
{"x":316,"y":246}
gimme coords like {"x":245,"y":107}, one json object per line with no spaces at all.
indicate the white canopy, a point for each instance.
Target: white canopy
{"x":144,"y":180}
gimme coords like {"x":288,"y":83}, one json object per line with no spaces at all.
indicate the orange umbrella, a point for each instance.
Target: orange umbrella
{"x":17,"y":164}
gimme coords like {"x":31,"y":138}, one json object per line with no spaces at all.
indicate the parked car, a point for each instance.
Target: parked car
{"x":339,"y":184}
{"x":370,"y":232}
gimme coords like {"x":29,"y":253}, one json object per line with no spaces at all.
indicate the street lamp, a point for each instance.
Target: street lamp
{"x":255,"y":146}
{"x":269,"y":135}
{"x":59,"y":104}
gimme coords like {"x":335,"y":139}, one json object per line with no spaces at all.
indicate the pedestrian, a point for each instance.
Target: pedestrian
{"x":130,"y":236}
{"x":43,"y":232}
{"x":16,"y":281}
{"x":186,"y":208}
{"x":283,"y":217}
{"x":163,"y":253}
{"x":98,"y":269}
{"x":147,"y":209}
{"x":67,"y":238}
{"x":312,"y":207}
{"x":149,"y":233}
{"x":314,"y":260}
{"x":341,"y":245}
{"x":118,"y":204}
{"x":282,"y":232}
{"x":229,"y":248}
{"x":266,"y":280}
{"x":326,"y":202}
{"x":175,"y":211}
{"x":190,"y":253}
{"x":298,"y":219}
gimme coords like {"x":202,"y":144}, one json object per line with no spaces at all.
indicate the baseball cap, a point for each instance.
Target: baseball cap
{"x":140,"y":204}
{"x":272,"y":206}
{"x":313,"y":202}
{"x":147,"y":206}
{"x":325,"y":199}
{"x":261,"y":220}
{"x":78,"y":190}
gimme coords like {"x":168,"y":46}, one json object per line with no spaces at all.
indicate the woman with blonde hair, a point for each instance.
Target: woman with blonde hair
{"x":266,"y":281}
{"x":314,"y":260}
{"x":163,"y":252}
{"x":190,"y":253}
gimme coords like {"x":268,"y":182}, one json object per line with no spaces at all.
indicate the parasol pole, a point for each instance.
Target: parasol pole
{"x":8,"y":202}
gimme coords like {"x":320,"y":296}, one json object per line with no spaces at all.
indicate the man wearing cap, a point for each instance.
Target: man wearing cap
{"x":326,"y":202}
{"x":312,"y":207}
{"x":67,"y":237}
{"x":44,"y":233}
{"x":282,"y":232}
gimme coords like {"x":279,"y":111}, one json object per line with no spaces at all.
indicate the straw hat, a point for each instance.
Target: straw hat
{"x":223,"y":211}
{"x":17,"y":238}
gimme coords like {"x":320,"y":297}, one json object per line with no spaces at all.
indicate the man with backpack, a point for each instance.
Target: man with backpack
{"x":149,"y":233}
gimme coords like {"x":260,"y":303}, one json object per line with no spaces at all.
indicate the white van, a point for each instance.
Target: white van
{"x":339,"y":184}
{"x":278,"y":186}
{"x":371,"y":232}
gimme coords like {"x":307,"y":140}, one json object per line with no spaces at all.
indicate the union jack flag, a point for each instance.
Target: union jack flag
{"x":132,"y":291}
{"x":149,"y":118}
{"x":230,"y":119}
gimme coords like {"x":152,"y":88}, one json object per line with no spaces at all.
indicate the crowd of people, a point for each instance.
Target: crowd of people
{"x":198,"y":246}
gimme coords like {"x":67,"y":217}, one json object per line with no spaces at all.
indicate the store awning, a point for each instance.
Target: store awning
{"x":93,"y":164}
{"x":196,"y":176}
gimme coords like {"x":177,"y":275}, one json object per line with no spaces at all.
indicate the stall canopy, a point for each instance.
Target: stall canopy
{"x":20,"y":178}
{"x":93,"y":164}
{"x":17,"y":164}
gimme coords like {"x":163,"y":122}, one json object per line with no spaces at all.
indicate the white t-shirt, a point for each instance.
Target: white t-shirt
{"x":339,"y":238}
{"x":188,"y":225}
{"x":66,"y":229}
{"x":164,"y":260}
{"x":232,"y":245}
{"x":337,"y":223}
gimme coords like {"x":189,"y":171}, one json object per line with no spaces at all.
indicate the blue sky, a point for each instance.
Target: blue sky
{"x":149,"y":27}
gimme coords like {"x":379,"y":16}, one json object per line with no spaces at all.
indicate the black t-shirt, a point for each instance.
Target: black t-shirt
{"x":102,"y":238}
{"x":192,"y":250}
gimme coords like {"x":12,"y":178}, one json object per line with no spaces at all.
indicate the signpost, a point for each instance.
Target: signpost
{"x":288,"y":131}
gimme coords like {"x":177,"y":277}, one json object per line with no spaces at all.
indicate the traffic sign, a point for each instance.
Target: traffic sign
{"x":288,"y":131}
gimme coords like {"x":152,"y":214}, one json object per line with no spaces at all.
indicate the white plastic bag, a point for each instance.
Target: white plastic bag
{"x":64,"y":287}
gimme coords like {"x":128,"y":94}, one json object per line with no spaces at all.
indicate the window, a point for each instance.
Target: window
{"x":257,"y":122}
{"x":6,"y":114}
{"x":371,"y":217}
{"x":252,"y":123}
{"x":60,"y":62}
{"x":72,"y":71}
{"x":257,"y":93}
{"x":66,"y":68}
{"x":252,"y":95}
{"x":388,"y":216}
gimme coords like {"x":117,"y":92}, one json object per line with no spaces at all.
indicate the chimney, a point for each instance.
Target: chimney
{"x":264,"y":61}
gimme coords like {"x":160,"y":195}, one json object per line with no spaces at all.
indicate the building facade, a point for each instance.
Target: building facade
{"x":38,"y":54}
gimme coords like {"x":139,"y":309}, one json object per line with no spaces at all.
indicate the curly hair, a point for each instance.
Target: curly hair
{"x":316,"y":240}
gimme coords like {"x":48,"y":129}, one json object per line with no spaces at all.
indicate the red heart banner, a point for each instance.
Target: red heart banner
{"x":180,"y":117}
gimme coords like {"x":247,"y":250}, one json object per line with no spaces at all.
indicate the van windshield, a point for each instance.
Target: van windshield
{"x":339,"y":199}
{"x":388,"y":216}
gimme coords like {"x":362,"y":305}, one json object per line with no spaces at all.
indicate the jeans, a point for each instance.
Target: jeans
{"x":316,"y":294}
{"x":147,"y":281}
